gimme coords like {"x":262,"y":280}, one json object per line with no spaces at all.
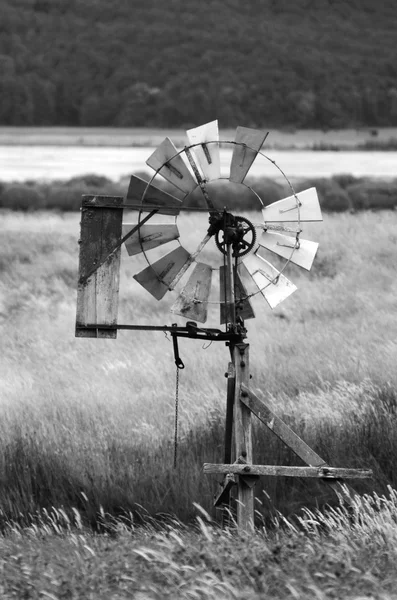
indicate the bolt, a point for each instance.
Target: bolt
{"x":244,"y":453}
{"x":226,"y":374}
{"x":242,"y":364}
{"x":247,"y":469}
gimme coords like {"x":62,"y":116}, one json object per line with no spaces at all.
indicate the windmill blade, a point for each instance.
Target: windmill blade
{"x":300,"y":252}
{"x":192,"y":302}
{"x":149,"y":236}
{"x":172,"y":167}
{"x":244,"y":155}
{"x":166,"y":204}
{"x":207,"y":155}
{"x":158,"y":277}
{"x":245,"y":311}
{"x":307,"y":208}
{"x":273,"y":285}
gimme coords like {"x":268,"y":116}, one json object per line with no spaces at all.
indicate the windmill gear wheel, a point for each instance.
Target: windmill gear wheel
{"x":234,"y":230}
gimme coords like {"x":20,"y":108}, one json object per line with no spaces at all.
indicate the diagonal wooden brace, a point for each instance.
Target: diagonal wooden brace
{"x":223,"y":496}
{"x":293,"y":441}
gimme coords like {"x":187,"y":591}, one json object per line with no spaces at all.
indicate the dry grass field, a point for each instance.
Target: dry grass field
{"x":86,"y":427}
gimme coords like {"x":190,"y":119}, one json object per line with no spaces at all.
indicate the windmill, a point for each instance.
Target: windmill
{"x":244,"y":244}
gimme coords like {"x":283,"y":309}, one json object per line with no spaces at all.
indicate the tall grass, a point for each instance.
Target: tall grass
{"x":331,"y":554}
{"x":89,"y":423}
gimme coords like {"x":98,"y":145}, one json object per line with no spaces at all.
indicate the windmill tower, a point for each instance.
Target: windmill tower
{"x":244,"y":244}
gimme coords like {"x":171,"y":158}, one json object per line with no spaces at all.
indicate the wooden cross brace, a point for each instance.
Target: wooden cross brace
{"x":244,"y":473}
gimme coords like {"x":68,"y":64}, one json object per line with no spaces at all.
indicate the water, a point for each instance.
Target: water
{"x":18,"y":163}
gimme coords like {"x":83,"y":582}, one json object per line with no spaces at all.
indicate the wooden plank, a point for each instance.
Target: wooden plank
{"x":287,"y":208}
{"x":192,"y":302}
{"x":273,"y":286}
{"x":97,"y":291}
{"x":244,"y":155}
{"x":281,"y":471}
{"x":149,"y":236}
{"x":243,"y":439}
{"x":166,"y":160}
{"x":158,"y":277}
{"x":166,"y":204}
{"x":207,"y":155}
{"x":244,"y":307}
{"x":301,"y":253}
{"x":290,"y":438}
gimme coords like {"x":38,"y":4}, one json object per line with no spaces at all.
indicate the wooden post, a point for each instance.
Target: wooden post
{"x":243,"y":440}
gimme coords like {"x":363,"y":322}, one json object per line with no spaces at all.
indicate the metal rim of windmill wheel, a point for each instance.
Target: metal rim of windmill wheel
{"x":279,"y":226}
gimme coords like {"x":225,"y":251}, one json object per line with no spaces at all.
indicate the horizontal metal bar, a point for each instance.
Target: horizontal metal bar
{"x":281,"y":471}
{"x":151,"y":207}
{"x":187,"y":332}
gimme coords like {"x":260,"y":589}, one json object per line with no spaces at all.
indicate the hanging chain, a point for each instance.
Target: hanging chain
{"x":179,"y":365}
{"x":176,"y":417}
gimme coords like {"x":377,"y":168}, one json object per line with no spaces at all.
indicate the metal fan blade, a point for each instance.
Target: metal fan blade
{"x":166,"y":204}
{"x":287,"y":209}
{"x":158,"y":277}
{"x":149,"y":236}
{"x":172,"y":167}
{"x":192,"y":302}
{"x":301,"y":252}
{"x":243,"y":305}
{"x":207,"y":155}
{"x":244,"y":155}
{"x":273,"y":285}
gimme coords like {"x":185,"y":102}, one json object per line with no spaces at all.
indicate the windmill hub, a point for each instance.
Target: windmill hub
{"x":232,"y":230}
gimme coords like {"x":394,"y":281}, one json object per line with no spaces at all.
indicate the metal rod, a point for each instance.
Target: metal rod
{"x":200,"y":180}
{"x":146,"y":208}
{"x":118,"y":245}
{"x":230,"y":293}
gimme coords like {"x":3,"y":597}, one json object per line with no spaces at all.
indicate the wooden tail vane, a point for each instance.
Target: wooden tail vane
{"x":245,"y":245}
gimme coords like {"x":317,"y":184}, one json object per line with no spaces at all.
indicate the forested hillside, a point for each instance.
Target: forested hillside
{"x":304,"y":63}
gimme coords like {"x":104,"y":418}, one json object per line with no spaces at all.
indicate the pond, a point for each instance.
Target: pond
{"x":18,"y":163}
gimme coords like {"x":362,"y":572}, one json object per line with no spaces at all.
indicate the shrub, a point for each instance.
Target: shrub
{"x":89,"y":181}
{"x":63,"y":198}
{"x":372,"y":194}
{"x":21,"y":197}
{"x":346,"y":179}
{"x":269,"y":190}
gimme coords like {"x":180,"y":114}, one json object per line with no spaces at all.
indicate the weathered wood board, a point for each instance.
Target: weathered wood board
{"x":287,"y":208}
{"x":244,"y":155}
{"x":166,"y":204}
{"x":281,"y":471}
{"x":273,"y":286}
{"x":172,"y":167}
{"x":98,"y":288}
{"x":301,"y":254}
{"x":149,"y":236}
{"x":207,"y":155}
{"x":243,"y":438}
{"x":243,"y":305}
{"x":192,"y":302}
{"x":158,"y":277}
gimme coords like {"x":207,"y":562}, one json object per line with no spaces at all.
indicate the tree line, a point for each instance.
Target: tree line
{"x":322,"y":63}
